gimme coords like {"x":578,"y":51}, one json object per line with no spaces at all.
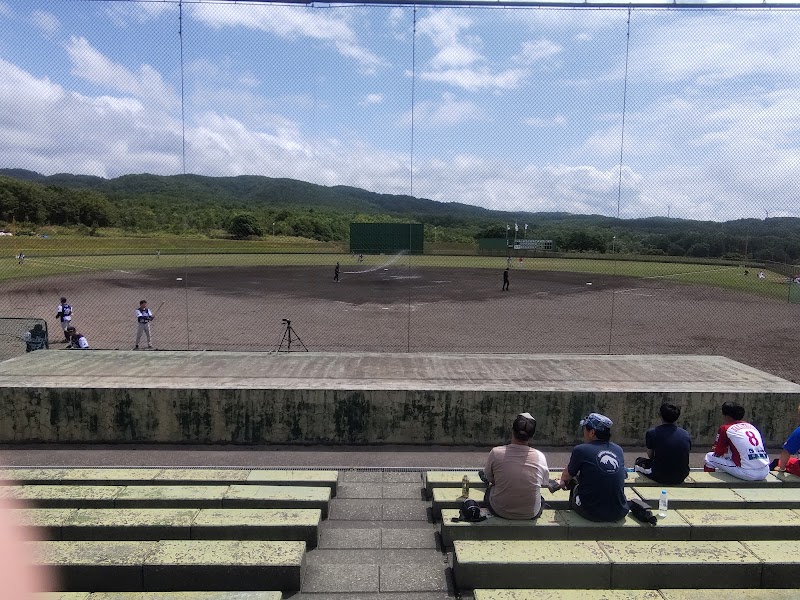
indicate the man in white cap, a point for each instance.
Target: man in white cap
{"x":595,"y":474}
{"x":515,"y":474}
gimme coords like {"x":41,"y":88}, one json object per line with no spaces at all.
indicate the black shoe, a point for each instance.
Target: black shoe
{"x":774,"y":464}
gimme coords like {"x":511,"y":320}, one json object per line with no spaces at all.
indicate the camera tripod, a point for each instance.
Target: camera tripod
{"x":289,"y":335}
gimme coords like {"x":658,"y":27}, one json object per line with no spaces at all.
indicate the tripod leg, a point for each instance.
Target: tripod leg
{"x":297,"y":337}
{"x":283,"y":339}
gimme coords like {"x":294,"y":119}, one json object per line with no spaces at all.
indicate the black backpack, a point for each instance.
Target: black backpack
{"x":470,"y":512}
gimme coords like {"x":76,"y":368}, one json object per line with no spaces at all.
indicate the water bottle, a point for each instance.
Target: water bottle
{"x":663,"y":503}
{"x":465,"y":487}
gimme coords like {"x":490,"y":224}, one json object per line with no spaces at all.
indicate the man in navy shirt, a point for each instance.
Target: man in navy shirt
{"x":598,"y":466}
{"x":668,"y":448}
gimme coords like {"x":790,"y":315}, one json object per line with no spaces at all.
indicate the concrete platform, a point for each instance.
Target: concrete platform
{"x":353,"y":398}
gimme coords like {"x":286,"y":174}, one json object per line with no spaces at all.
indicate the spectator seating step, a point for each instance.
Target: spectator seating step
{"x":744,"y":594}
{"x":172,"y":476}
{"x":186,"y":565}
{"x":159,"y":596}
{"x":554,"y":564}
{"x":174,"y":524}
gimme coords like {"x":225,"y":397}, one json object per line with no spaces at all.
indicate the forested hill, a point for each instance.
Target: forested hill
{"x":198,"y":204}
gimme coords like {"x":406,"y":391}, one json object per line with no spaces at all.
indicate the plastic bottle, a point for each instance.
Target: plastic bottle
{"x":663,"y":504}
{"x":465,"y":486}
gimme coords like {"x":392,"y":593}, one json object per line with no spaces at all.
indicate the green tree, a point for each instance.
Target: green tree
{"x":244,"y":225}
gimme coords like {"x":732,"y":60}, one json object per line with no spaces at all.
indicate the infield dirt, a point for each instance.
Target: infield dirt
{"x":421,"y":309}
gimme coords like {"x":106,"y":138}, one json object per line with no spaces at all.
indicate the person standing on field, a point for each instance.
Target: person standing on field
{"x":64,"y":316}
{"x":143,"y":317}
{"x":505,"y":280}
{"x":336,"y":272}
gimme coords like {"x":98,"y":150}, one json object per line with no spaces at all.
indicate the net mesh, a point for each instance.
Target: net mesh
{"x":504,"y":110}
{"x":21,"y":335}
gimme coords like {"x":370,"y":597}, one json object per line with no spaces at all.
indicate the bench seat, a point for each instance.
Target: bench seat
{"x":174,"y":523}
{"x":159,"y":496}
{"x":186,"y":565}
{"x":555,"y":564}
{"x":159,"y":596}
{"x":172,"y":476}
{"x":745,"y":594}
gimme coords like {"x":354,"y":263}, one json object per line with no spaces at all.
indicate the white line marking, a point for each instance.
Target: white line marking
{"x":691,"y":273}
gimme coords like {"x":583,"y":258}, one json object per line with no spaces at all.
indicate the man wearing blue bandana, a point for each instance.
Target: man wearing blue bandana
{"x":595,"y":474}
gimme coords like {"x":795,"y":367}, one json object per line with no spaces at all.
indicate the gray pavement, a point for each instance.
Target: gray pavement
{"x":340,"y":457}
{"x":110,"y":369}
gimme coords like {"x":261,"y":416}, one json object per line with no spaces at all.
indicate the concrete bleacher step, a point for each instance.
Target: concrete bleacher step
{"x":167,"y":565}
{"x":450,"y":498}
{"x":688,"y":524}
{"x":738,"y":497}
{"x":172,"y":476}
{"x":697,"y":479}
{"x":159,"y":596}
{"x":578,"y":564}
{"x":174,"y":524}
{"x":159,"y":496}
{"x":745,"y":594}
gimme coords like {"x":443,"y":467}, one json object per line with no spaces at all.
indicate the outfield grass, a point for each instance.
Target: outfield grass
{"x":75,"y":255}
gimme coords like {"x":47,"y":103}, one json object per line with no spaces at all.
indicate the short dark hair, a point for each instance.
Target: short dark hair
{"x":669,"y":412}
{"x":523,"y":428}
{"x":602,"y":434}
{"x":63,"y":299}
{"x":142,"y":302}
{"x":733,"y":410}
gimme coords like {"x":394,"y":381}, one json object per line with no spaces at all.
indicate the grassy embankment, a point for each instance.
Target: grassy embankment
{"x":59,"y":255}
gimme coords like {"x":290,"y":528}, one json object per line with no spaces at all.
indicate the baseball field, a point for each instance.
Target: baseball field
{"x":231,"y":301}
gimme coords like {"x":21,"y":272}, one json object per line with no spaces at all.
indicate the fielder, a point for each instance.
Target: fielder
{"x":143,"y":317}
{"x":64,"y":315}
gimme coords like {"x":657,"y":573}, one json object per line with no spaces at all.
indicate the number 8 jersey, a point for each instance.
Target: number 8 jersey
{"x":741,"y":442}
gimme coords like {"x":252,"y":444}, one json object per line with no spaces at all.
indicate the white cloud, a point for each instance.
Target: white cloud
{"x":122,"y":14}
{"x":91,"y":65}
{"x":476,"y":79}
{"x":555,"y":120}
{"x":448,"y":111}
{"x":372,"y":99}
{"x":535,"y":51}
{"x":290,"y":22}
{"x":45,"y":21}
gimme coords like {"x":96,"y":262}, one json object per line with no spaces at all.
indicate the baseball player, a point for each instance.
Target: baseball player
{"x":336,"y":272}
{"x":143,"y":317}
{"x":64,"y":315}
{"x":739,"y":448}
{"x":77,"y":340}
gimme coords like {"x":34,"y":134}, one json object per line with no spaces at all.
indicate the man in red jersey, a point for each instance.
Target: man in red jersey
{"x":739,"y":448}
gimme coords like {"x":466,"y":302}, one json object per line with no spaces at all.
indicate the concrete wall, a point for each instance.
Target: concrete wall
{"x":362,"y":417}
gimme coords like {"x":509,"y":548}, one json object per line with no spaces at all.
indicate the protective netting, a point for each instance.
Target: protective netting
{"x":517,"y":110}
{"x":21,"y":335}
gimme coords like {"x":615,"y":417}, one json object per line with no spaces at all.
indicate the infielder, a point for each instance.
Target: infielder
{"x":143,"y":317}
{"x":64,"y":316}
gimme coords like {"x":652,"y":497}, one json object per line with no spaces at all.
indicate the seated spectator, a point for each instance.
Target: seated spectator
{"x":739,"y":449}
{"x":595,"y":474}
{"x":668,"y":448}
{"x":787,"y":462}
{"x":77,"y":341}
{"x":515,"y":473}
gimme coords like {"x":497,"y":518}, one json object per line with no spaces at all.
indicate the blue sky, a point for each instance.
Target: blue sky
{"x":514,"y":109}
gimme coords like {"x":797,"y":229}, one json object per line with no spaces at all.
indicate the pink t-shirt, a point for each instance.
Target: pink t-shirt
{"x":517,"y":473}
